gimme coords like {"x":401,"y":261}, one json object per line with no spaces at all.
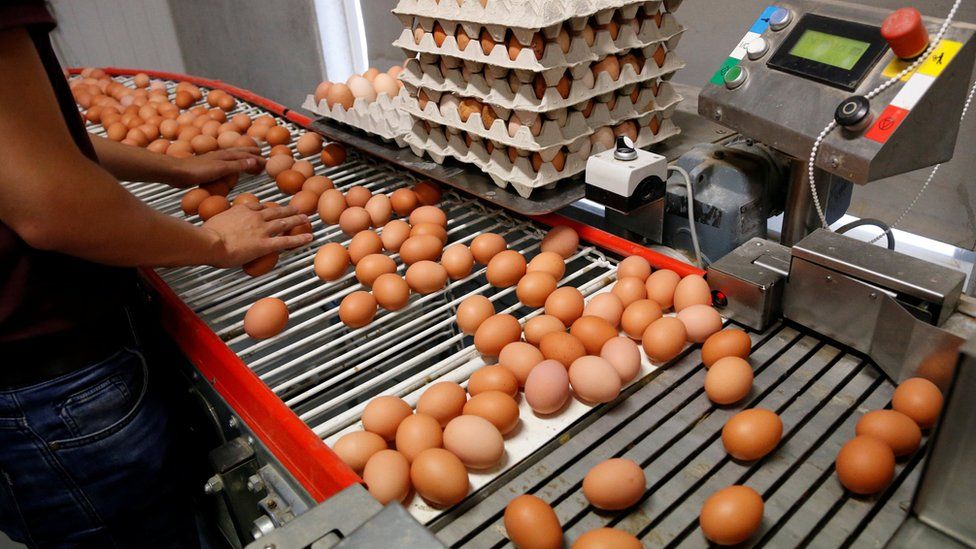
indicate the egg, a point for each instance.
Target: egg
{"x":426,"y":277}
{"x":532,"y":524}
{"x":472,"y":312}
{"x":384,"y":83}
{"x":731,"y":515}
{"x":593,"y":332}
{"x":635,"y":266}
{"x":493,"y":378}
{"x":340,"y":94}
{"x":486,"y":246}
{"x":549,"y":262}
{"x":610,"y":65}
{"x":404,"y":201}
{"x":594,"y":380}
{"x":701,"y":321}
{"x":439,"y":477}
{"x":277,"y":135}
{"x":629,"y":290}
{"x":537,"y":327}
{"x":387,"y":476}
{"x":731,"y":342}
{"x":190,"y":203}
{"x":638,"y":316}
{"x":308,"y":144}
{"x":370,"y":267}
{"x":664,"y":339}
{"x":420,"y":248}
{"x":547,"y":387}
{"x":458,"y":261}
{"x":428,"y":214}
{"x":533,"y":288}
{"x":442,"y":401}
{"x":357,"y":195}
{"x":353,"y":220}
{"x":383,"y":415}
{"x":394,"y":234}
{"x":606,"y":306}
{"x":379,"y":209}
{"x":894,"y":428}
{"x":431,"y":229}
{"x":919,"y":399}
{"x":566,"y":304}
{"x":363,"y":244}
{"x":278,"y":163}
{"x":691,"y":290}
{"x":607,"y":538}
{"x":614,"y":484}
{"x":331,"y":206}
{"x":495,"y":333}
{"x":211,"y":206}
{"x":499,"y":408}
{"x":391,"y":292}
{"x":562,"y":347}
{"x":505,"y":269}
{"x":475,"y":441}
{"x":262,"y":265}
{"x":865,"y":465}
{"x":562,"y":240}
{"x":245,"y":198}
{"x":306,"y":202}
{"x":752,"y":434}
{"x":266,"y":318}
{"x":290,"y":181}
{"x":558,"y":161}
{"x":487,"y":42}
{"x":355,"y":448}
{"x":428,"y":193}
{"x":304,"y":167}
{"x":331,"y":261}
{"x":357,"y":309}
{"x":416,"y":433}
{"x":439,"y":34}
{"x":624,"y":355}
{"x":333,"y":155}
{"x":728,"y":381}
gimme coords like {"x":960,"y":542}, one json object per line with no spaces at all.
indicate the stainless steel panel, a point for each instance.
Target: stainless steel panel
{"x":752,"y":278}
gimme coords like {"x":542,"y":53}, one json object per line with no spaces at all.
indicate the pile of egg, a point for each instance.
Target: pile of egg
{"x":367,"y":86}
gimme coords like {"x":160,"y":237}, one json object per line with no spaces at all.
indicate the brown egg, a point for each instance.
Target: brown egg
{"x":426,"y":277}
{"x":355,"y":448}
{"x":304,"y":167}
{"x":442,"y":401}
{"x":664,"y":339}
{"x":439,"y":34}
{"x":496,"y":407}
{"x":245,"y":198}
{"x":391,"y":292}
{"x":566,"y":304}
{"x":387,"y":476}
{"x":486,"y":246}
{"x":379,"y":209}
{"x":417,"y":433}
{"x":537,"y":327}
{"x":594,"y":380}
{"x":614,"y":484}
{"x":192,"y":199}
{"x":487,"y":42}
{"x":420,"y":248}
{"x":458,"y":261}
{"x":428,"y":193}
{"x":363,"y":244}
{"x":519,"y":358}
{"x":505,"y":269}
{"x":593,"y":332}
{"x":353,"y":220}
{"x":549,"y":262}
{"x":262,"y":265}
{"x":428,"y":214}
{"x":370,"y":267}
{"x":277,"y":135}
{"x":895,"y":429}
{"x":358,"y":195}
{"x":245,"y":141}
{"x":472,"y":312}
{"x":558,"y":161}
{"x":331,"y":206}
{"x":305,"y":202}
{"x":610,"y":65}
{"x":607,"y":538}
{"x":383,"y":415}
{"x":533,"y":288}
{"x":629,"y":290}
{"x":731,"y":342}
{"x":290,"y":181}
{"x":431,"y":229}
{"x":339,"y":94}
{"x":728,"y":381}
{"x":531,"y":523}
{"x":562,"y":240}
{"x":635,"y":266}
{"x":318,"y":184}
{"x":919,"y":399}
{"x":333,"y":154}
{"x":395,"y":233}
{"x":752,"y":434}
{"x":606,"y":306}
{"x":701,"y":321}
{"x":493,"y":378}
{"x":331,"y":261}
{"x":241,"y":121}
{"x":211,"y":206}
{"x":731,"y":515}
{"x":562,"y":347}
{"x":495,"y":333}
{"x":404,"y":201}
{"x":266,"y":318}
{"x":865,"y":465}
{"x":638,"y":316}
{"x":439,"y":477}
{"x":692,"y":290}
{"x":624,"y":355}
{"x":308,"y":144}
{"x":475,"y":441}
{"x":357,"y":309}
{"x":547,"y":387}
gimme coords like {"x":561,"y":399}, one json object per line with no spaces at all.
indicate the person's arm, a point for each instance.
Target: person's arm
{"x":137,"y":164}
{"x":57,"y":199}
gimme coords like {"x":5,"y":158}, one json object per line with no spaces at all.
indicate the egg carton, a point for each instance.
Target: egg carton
{"x":440,"y":143}
{"x":383,"y":117}
{"x":652,"y":31}
{"x":527,"y":16}
{"x":559,"y":128}
{"x":498,"y":92}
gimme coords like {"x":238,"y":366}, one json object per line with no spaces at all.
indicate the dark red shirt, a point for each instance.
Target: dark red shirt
{"x":47,"y":293}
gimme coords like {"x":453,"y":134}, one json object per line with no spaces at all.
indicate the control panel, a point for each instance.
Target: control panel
{"x":804,"y":63}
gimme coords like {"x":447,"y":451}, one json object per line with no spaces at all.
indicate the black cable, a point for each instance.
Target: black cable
{"x":874,"y":223}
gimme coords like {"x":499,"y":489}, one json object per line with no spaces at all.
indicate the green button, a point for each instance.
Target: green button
{"x":733,"y":74}
{"x":719,"y":77}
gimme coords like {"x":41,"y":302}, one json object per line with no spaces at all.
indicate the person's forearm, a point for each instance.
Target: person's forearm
{"x":129,"y":163}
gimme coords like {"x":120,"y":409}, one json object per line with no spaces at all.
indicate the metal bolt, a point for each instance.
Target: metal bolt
{"x":873,"y":295}
{"x":255,"y":484}
{"x":834,"y":162}
{"x":232,"y":422}
{"x":269,"y":546}
{"x":214,"y":485}
{"x":830,"y":278}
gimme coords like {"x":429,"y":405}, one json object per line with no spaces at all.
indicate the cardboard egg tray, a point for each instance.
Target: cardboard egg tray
{"x":383,"y":118}
{"x":443,"y":141}
{"x":559,"y":128}
{"x":553,"y":58}
{"x":525,"y":17}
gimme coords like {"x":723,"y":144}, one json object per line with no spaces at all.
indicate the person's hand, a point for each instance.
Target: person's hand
{"x":205,"y":168}
{"x":249,"y":231}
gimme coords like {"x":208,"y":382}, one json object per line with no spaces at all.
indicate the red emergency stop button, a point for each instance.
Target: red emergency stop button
{"x":905,"y":33}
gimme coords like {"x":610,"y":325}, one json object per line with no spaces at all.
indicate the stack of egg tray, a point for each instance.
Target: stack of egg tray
{"x":509,"y":87}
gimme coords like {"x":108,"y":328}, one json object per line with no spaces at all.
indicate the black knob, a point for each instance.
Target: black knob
{"x":854,"y":113}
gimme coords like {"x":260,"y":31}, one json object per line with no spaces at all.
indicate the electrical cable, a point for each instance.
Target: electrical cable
{"x":871,"y":95}
{"x":691,"y":212}
{"x":867,"y":221}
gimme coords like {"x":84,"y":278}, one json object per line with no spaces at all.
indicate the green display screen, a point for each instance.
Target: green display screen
{"x":836,"y":51}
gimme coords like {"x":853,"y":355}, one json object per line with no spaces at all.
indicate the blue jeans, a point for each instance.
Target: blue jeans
{"x":86,"y":461}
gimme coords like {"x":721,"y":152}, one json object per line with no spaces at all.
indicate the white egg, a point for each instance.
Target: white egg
{"x":602,"y":139}
{"x":361,"y":88}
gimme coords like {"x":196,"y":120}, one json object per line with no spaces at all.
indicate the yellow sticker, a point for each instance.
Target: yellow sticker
{"x":933,"y":66}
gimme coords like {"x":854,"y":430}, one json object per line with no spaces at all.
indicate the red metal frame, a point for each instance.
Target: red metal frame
{"x":299,"y":449}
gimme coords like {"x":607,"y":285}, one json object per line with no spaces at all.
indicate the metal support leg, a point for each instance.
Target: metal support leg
{"x":800,"y":216}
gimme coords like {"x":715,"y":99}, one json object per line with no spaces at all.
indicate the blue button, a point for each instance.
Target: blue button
{"x":761,"y":24}
{"x":780,"y":19}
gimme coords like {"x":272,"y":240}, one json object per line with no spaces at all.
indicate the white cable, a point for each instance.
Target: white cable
{"x":871,"y":95}
{"x":691,"y":212}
